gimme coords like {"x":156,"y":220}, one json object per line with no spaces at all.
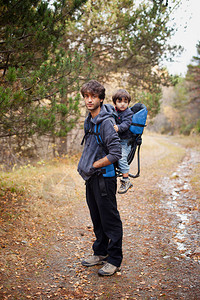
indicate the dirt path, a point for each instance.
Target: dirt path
{"x":161,"y":248}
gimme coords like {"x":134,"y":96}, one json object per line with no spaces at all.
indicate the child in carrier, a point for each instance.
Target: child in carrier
{"x":121,"y":100}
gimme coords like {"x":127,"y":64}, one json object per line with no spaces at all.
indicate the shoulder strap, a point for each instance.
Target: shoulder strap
{"x":99,"y":140}
{"x":108,"y":171}
{"x":87,"y":130}
{"x":97,"y":134}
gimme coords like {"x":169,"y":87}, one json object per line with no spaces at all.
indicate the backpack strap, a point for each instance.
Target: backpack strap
{"x":83,"y":139}
{"x":135,"y":146}
{"x":87,"y":131}
{"x":108,"y":171}
{"x":97,"y":134}
{"x":139,"y":125}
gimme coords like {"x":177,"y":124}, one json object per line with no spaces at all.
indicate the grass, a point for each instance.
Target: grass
{"x":191,"y":142}
{"x":56,"y":183}
{"x":36,"y":201}
{"x":51,"y":186}
{"x":195,"y":180}
{"x":162,"y":155}
{"x":30,"y":179}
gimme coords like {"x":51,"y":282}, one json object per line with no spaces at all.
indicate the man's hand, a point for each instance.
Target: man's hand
{"x":116,"y":128}
{"x":103,"y":162}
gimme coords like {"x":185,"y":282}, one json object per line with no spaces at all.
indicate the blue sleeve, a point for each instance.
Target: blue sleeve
{"x":111,"y":140}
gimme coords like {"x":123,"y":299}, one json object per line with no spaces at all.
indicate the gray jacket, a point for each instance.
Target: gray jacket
{"x":92,"y":150}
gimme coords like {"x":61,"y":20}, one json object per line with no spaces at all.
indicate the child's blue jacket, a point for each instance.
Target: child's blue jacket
{"x":92,"y":150}
{"x":124,"y":120}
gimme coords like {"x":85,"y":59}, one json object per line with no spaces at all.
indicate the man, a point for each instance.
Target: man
{"x":102,"y":149}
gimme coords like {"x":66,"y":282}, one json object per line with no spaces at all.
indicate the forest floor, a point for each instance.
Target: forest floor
{"x":46,"y":229}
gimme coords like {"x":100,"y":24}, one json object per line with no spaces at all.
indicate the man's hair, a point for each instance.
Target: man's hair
{"x":93,"y":87}
{"x":121,"y":93}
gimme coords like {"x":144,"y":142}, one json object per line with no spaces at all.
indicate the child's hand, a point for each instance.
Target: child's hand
{"x":116,"y":128}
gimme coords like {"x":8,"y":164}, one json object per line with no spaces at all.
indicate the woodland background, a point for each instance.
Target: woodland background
{"x":48,"y":50}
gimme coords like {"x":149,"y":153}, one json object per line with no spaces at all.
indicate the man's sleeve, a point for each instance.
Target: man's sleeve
{"x":111,"y":141}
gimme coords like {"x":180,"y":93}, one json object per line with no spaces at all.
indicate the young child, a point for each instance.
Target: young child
{"x":121,"y":100}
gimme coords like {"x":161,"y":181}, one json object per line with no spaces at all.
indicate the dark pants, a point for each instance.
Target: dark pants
{"x":101,"y":200}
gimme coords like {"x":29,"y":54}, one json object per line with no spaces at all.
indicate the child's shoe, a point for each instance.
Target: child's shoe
{"x":125,"y":185}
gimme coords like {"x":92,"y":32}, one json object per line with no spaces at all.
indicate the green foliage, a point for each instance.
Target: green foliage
{"x":191,"y":88}
{"x":39,"y":78}
{"x":193,"y":76}
{"x":11,"y":75}
{"x":47,"y":51}
{"x":187,"y":96}
{"x":186,"y":128}
{"x":181,"y":98}
{"x":174,"y":79}
{"x":151,"y":100}
{"x":197,"y":127}
{"x":125,"y":37}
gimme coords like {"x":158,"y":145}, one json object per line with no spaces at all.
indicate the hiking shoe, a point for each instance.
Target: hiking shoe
{"x":108,"y":270}
{"x":125,"y":185}
{"x":94,"y":260}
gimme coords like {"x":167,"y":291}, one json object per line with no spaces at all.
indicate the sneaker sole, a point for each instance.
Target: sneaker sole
{"x":85,"y":264}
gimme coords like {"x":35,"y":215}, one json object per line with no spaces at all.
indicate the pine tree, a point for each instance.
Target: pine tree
{"x":129,"y":39}
{"x":187,"y":97}
{"x":193,"y":76}
{"x":38,"y":77}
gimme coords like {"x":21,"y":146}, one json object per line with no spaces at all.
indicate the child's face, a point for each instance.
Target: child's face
{"x":121,"y":104}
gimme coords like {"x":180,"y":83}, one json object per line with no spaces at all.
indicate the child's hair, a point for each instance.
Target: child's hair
{"x":94,"y":88}
{"x":121,"y":93}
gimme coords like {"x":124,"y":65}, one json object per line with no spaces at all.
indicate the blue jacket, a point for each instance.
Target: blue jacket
{"x":92,"y":150}
{"x":124,"y":122}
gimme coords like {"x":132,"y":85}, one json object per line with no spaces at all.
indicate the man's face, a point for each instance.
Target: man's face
{"x":92,"y":101}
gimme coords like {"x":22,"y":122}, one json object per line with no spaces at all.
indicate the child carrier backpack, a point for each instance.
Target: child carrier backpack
{"x":137,"y":127}
{"x":139,"y":118}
